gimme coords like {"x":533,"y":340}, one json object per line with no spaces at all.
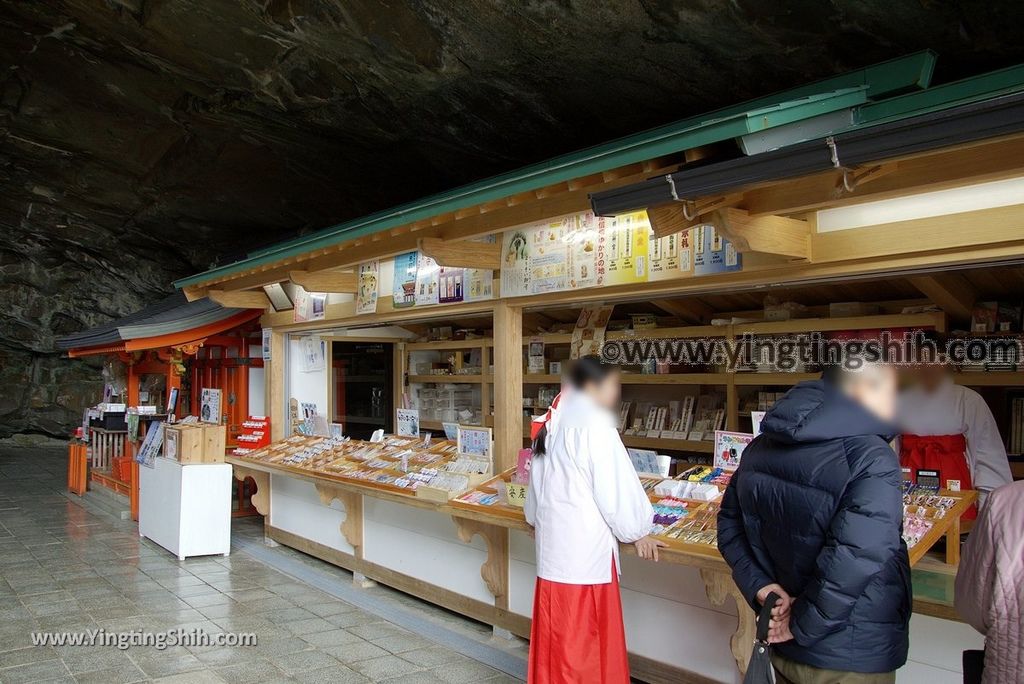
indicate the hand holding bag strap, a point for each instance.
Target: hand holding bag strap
{"x":765,"y":616}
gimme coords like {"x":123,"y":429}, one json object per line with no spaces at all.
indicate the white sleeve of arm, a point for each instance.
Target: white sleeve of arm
{"x":617,"y":490}
{"x":990,"y":468}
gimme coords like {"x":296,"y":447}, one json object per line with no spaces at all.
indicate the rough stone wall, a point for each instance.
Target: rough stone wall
{"x":139,"y":139}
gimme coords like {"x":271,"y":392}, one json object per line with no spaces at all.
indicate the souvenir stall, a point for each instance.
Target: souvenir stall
{"x":146,"y":371}
{"x":866,"y":205}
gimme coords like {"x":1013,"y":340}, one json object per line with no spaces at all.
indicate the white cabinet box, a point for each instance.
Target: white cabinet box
{"x":186,"y":508}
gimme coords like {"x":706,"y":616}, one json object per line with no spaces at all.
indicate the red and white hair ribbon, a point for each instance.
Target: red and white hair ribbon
{"x":540,"y":421}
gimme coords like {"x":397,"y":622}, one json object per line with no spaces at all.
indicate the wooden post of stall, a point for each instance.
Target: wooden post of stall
{"x":133,"y":400}
{"x":508,"y":384}
{"x":275,"y":387}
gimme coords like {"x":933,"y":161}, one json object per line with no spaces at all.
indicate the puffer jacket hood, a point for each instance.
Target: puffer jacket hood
{"x":815,"y":411}
{"x":816,"y":505}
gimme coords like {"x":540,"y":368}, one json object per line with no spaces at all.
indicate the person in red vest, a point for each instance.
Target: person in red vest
{"x":948,"y":428}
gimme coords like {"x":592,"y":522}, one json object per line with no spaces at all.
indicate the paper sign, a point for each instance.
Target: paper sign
{"x":407,"y":422}
{"x":209,"y":404}
{"x":755,"y":418}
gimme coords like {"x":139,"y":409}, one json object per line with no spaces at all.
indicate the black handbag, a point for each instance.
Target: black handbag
{"x":974,"y":666}
{"x":759,"y":669}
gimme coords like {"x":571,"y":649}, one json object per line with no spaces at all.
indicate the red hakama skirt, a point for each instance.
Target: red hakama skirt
{"x":577,"y":634}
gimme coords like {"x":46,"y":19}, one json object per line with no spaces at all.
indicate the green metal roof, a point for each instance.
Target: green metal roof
{"x":856,"y":88}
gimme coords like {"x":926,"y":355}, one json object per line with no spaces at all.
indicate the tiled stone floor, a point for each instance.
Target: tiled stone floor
{"x":69,"y":566}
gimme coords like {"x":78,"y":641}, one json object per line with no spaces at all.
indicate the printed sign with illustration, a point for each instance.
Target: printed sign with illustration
{"x":403,"y":291}
{"x":368,"y":287}
{"x":428,"y":281}
{"x":729,"y":447}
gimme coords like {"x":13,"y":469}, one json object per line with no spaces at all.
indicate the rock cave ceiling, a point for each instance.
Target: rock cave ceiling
{"x":142,"y":139}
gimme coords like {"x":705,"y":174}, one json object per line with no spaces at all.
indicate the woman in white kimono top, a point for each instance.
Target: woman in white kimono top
{"x":584,"y":498}
{"x":949,"y":428}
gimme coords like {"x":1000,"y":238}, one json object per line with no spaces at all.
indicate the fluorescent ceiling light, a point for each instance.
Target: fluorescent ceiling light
{"x":1002,"y":193}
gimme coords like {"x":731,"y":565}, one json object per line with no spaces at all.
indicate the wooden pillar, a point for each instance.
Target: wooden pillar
{"x":508,"y":384}
{"x":274,"y":383}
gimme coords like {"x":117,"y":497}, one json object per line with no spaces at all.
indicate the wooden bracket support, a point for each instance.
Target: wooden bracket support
{"x":240,"y":299}
{"x":765,"y":234}
{"x":951,"y":292}
{"x":326,"y":281}
{"x":690,"y":310}
{"x":494,"y":571}
{"x":192,"y":292}
{"x":719,"y":587}
{"x":352,"y":526}
{"x":461,"y":253}
{"x":676,"y":217}
{"x":261,"y":499}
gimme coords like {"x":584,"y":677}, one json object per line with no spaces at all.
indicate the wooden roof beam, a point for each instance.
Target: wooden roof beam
{"x":766,"y":234}
{"x":326,"y":281}
{"x":241,"y":299}
{"x":951,"y":292}
{"x":992,"y":160}
{"x":461,"y":253}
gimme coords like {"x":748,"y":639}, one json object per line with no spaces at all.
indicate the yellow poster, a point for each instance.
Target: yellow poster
{"x":625,"y":248}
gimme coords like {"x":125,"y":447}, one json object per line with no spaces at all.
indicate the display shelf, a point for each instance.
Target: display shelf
{"x":674,"y":378}
{"x":701,"y":447}
{"x":442,"y":345}
{"x":755,"y":379}
{"x":948,"y":526}
{"x":541,"y":379}
{"x":457,"y":379}
{"x":808,"y":325}
{"x":990,"y":378}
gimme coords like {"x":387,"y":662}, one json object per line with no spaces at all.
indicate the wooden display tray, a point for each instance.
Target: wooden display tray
{"x":948,"y":526}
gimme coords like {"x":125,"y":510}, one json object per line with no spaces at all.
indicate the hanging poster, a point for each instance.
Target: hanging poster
{"x":515,"y":263}
{"x":309,"y":306}
{"x":478,"y":284}
{"x":368,"y":286}
{"x":427,"y":281}
{"x":407,"y":422}
{"x":670,"y":256}
{"x":549,"y":257}
{"x":403,"y":292}
{"x":729,"y":448}
{"x":450,"y":284}
{"x":625,"y":248}
{"x":712,"y":253}
{"x":584,"y":233}
{"x":314,"y":353}
{"x":209,"y":403}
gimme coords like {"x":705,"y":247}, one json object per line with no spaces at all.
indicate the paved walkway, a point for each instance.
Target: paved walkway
{"x":68,"y":566}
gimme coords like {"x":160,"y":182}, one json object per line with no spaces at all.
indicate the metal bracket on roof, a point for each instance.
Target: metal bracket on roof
{"x":672,"y":187}
{"x":847,"y":184}
{"x":831,"y":142}
{"x":687,"y":204}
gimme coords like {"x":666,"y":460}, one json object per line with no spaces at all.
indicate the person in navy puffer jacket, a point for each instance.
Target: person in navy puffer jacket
{"x":814,"y":513}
